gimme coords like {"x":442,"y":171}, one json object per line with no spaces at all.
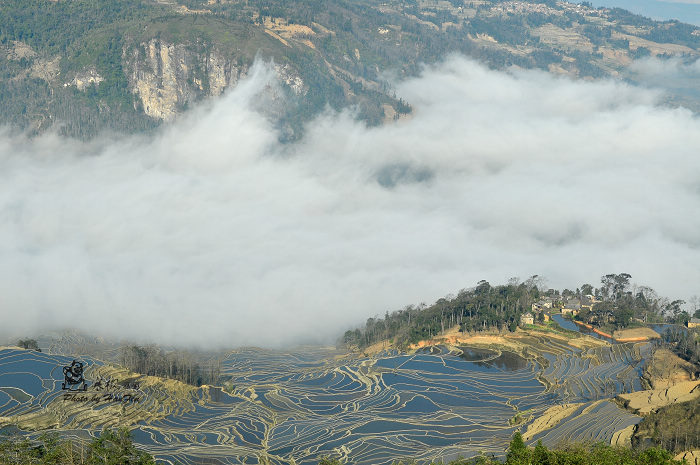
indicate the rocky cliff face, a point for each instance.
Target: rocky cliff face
{"x":168,"y":77}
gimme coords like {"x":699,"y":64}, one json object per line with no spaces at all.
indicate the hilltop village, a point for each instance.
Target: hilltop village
{"x":581,"y":311}
{"x":616,"y":308}
{"x":603,"y":320}
{"x":654,"y":340}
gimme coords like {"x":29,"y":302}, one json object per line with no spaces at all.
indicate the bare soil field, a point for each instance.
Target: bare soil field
{"x":644,"y":402}
{"x":635,"y":335}
{"x":691,"y":457}
{"x":549,"y":419}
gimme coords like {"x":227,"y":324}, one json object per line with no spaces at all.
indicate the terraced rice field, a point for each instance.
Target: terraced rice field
{"x":588,"y":422}
{"x":29,"y":381}
{"x":299,"y":406}
{"x":596,"y":373}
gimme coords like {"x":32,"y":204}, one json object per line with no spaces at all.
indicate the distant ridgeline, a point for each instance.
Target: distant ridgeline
{"x":127,"y":65}
{"x":615,"y":305}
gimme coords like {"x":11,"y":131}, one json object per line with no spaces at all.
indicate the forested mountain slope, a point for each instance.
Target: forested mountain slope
{"x":127,"y":65}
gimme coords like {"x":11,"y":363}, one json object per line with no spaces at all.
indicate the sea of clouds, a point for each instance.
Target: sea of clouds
{"x":211,"y":233}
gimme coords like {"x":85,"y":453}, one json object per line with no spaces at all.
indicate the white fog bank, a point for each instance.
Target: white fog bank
{"x":212,"y":233}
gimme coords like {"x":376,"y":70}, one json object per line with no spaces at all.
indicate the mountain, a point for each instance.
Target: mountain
{"x":84,"y":66}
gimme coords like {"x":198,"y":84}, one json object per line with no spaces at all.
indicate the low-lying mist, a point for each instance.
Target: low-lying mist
{"x":212,"y":233}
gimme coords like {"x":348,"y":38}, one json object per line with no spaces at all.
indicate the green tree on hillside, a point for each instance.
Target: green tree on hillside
{"x":518,"y":453}
{"x":116,"y":448}
{"x":109,"y":448}
{"x":29,"y":344}
{"x":541,"y":455}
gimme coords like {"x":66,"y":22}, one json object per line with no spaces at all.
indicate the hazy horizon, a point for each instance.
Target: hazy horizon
{"x":685,"y":11}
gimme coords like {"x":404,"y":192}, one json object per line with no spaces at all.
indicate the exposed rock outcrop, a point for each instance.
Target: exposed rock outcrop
{"x":19,"y":50}
{"x":168,"y":77}
{"x":84,"y":79}
{"x":291,"y":78}
{"x":37,"y":66}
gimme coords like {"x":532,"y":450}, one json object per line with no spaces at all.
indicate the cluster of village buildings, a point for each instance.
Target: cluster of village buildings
{"x":567,"y":307}
{"x":573,"y":307}
{"x":520,"y":7}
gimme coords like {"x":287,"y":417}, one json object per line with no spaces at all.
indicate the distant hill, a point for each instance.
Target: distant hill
{"x":127,"y":65}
